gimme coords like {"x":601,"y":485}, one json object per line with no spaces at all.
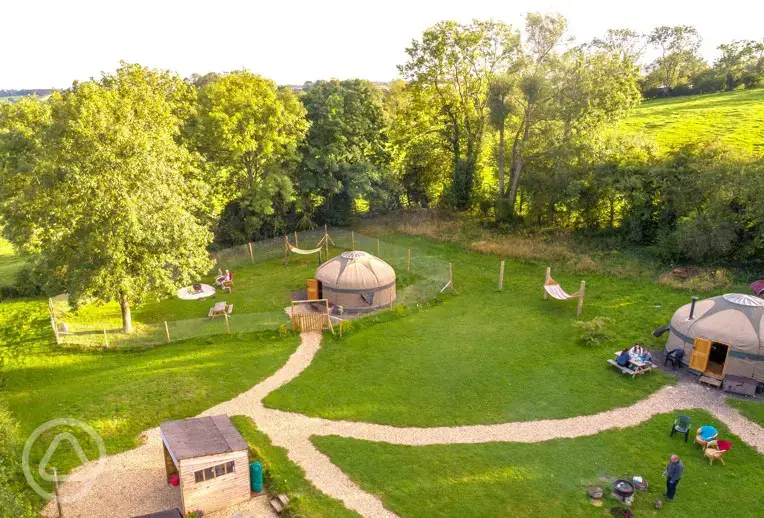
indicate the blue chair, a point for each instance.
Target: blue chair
{"x":681,"y":425}
{"x":705,"y":434}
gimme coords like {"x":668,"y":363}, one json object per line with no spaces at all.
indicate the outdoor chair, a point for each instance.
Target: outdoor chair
{"x":675,"y":357}
{"x":681,"y":425}
{"x":705,"y":434}
{"x":716,"y":450}
{"x":229,"y":309}
{"x":228,"y":285}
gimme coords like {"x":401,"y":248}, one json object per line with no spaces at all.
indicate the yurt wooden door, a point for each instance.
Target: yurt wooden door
{"x":700,"y":352}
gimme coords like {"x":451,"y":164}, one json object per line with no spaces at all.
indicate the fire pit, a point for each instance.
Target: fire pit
{"x":623,"y":490}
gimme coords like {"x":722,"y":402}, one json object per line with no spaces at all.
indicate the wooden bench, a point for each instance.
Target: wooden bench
{"x":624,"y":370}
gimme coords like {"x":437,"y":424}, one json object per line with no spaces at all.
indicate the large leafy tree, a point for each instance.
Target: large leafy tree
{"x":678,"y":47}
{"x":344,"y":155}
{"x":248,"y":131}
{"x":102,"y":191}
{"x":456,"y":63}
{"x":741,"y":62}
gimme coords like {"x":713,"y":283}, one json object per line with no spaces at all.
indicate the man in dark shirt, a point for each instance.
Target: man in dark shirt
{"x":674,"y":472}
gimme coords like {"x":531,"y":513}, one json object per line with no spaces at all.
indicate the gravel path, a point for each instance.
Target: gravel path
{"x":133,"y":481}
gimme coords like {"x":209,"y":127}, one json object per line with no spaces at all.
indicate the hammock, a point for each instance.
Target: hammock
{"x":554,"y":289}
{"x":300,"y":251}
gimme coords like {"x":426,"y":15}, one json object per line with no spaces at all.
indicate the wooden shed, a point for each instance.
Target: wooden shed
{"x":211,"y":459}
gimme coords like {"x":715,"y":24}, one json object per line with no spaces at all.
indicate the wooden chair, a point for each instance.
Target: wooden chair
{"x":682,"y":425}
{"x":705,"y":434}
{"x":229,"y":309}
{"x":716,"y":449}
{"x":228,"y":285}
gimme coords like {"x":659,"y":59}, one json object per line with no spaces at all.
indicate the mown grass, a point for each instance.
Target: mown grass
{"x":10,"y":264}
{"x":121,"y":394}
{"x":281,"y":475}
{"x":753,"y":410}
{"x":483,"y":355}
{"x":551,"y":478}
{"x":735,"y":119}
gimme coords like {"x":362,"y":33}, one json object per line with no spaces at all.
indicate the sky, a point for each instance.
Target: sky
{"x":49,"y":44}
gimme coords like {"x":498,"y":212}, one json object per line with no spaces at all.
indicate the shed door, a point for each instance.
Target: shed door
{"x":701,"y":350}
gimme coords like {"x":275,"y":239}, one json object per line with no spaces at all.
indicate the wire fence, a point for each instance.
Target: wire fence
{"x":420,"y":277}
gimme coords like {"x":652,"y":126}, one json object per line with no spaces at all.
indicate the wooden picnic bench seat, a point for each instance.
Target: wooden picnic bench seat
{"x":624,"y":370}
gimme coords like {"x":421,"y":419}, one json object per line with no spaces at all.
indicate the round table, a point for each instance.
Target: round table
{"x":187,"y":292}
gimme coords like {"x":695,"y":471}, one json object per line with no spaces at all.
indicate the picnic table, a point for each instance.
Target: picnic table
{"x":220,"y":309}
{"x":637,"y":365}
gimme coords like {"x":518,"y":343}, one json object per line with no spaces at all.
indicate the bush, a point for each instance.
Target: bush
{"x":703,"y":241}
{"x":594,"y":332}
{"x":700,"y":280}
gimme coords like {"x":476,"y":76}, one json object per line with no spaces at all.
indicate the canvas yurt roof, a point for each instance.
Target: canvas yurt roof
{"x":733,"y":319}
{"x":355,"y":271}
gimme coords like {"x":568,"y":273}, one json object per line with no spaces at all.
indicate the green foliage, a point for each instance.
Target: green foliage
{"x":15,"y":496}
{"x":281,"y":475}
{"x":343,"y":155}
{"x":550,"y":478}
{"x":103,"y":191}
{"x":595,"y":332}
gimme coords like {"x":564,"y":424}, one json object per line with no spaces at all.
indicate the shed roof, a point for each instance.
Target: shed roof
{"x":201,"y":436}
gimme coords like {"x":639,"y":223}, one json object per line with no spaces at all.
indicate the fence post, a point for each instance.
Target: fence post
{"x":546,"y":280}
{"x":167,"y":331}
{"x":55,"y":490}
{"x":286,"y":250}
{"x":296,"y":242}
{"x":451,"y":275}
{"x":227,"y":327}
{"x":352,"y":238}
{"x":501,"y":276}
{"x":53,"y":320}
{"x":326,"y":239}
{"x":377,"y":247}
{"x":581,"y":298}
{"x":105,"y":338}
{"x":408,"y":259}
{"x":251,"y":253}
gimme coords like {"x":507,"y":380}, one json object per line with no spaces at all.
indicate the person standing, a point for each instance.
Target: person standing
{"x":674,"y":472}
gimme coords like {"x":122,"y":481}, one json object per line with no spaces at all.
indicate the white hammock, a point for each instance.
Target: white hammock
{"x":554,"y":289}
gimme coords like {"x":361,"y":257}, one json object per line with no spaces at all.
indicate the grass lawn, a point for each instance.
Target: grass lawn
{"x":484,"y":356}
{"x":550,"y":478}
{"x":284,"y":476}
{"x":10,"y":264}
{"x":733,"y":118}
{"x":122,"y":393}
{"x":753,"y":410}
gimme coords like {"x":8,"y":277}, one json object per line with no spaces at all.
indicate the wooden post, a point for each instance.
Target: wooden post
{"x":326,"y":239}
{"x":227,"y":327}
{"x":451,"y":275}
{"x":546,"y":279}
{"x":408,"y":259}
{"x":296,"y":242}
{"x":53,"y":320}
{"x":55,"y":490}
{"x":167,"y":331}
{"x":377,"y":247}
{"x":251,"y":253}
{"x":352,"y":237}
{"x":291,"y":314}
{"x":105,"y":338}
{"x":501,"y":276}
{"x":286,"y":250}
{"x":581,"y":291}
{"x":328,"y":318}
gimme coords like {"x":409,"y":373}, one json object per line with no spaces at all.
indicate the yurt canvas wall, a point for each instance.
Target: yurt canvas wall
{"x":734,"y":320}
{"x":357,"y":281}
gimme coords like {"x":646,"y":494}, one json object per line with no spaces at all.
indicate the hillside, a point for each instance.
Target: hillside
{"x":734,"y":118}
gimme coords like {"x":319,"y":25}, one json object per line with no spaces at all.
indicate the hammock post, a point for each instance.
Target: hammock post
{"x":377,"y":247}
{"x":581,"y":298}
{"x":546,"y":280}
{"x":296,"y":243}
{"x":408,"y":259}
{"x":451,"y":276}
{"x":251,"y":253}
{"x":501,"y":276}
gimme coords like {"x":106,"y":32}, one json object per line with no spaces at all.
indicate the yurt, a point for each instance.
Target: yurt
{"x":357,"y":281}
{"x":721,"y":335}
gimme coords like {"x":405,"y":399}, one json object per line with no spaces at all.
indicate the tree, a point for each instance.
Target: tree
{"x":500,"y":90}
{"x":248,"y":131}
{"x":456,"y":62}
{"x":108,"y":199}
{"x":679,"y":53}
{"x":741,"y":62}
{"x":344,"y":154}
{"x":625,"y":43}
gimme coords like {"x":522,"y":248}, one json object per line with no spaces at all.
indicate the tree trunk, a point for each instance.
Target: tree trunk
{"x":127,"y":320}
{"x":513,"y":188}
{"x":501,"y":160}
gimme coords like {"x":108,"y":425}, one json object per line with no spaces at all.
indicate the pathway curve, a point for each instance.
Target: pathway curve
{"x":137,"y":476}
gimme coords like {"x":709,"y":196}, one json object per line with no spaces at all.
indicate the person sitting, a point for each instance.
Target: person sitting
{"x":220,"y":278}
{"x":227,"y":283}
{"x":642,"y":353}
{"x":623,"y":359}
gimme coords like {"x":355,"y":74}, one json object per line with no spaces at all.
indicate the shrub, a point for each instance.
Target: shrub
{"x":700,"y":280}
{"x":704,"y":241}
{"x":594,"y":332}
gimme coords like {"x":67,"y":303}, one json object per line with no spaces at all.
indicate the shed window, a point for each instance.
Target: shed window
{"x":230,"y":467}
{"x":215,"y":471}
{"x":219,"y":470}
{"x":209,"y":473}
{"x":199,"y":476}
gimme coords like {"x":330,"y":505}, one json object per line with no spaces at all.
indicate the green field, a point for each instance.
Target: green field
{"x":10,"y":264}
{"x":485,"y":356}
{"x":551,"y":478}
{"x":734,"y":118}
{"x":753,"y":410}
